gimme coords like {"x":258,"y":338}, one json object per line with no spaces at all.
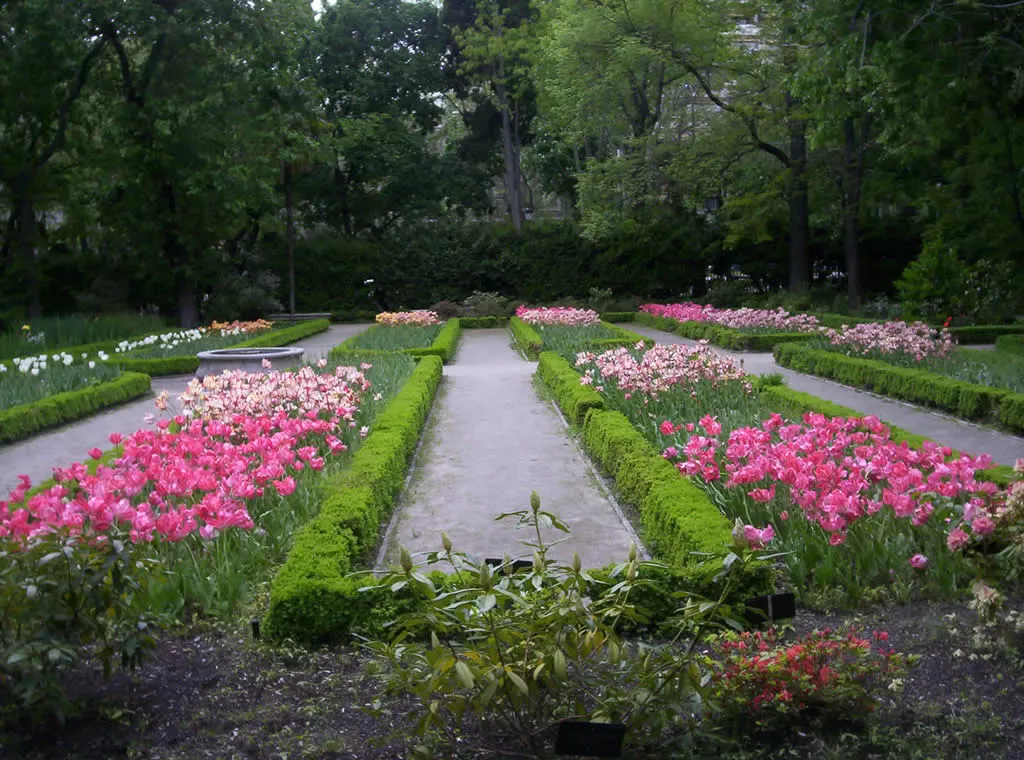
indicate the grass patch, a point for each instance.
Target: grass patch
{"x":393,"y":338}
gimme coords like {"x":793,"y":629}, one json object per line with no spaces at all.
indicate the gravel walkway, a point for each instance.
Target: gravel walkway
{"x":59,"y":447}
{"x":964,"y":436}
{"x":489,"y":443}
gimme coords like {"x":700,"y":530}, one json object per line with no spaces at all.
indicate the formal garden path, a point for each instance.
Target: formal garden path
{"x":490,"y":442}
{"x":973,"y":439}
{"x":59,"y":447}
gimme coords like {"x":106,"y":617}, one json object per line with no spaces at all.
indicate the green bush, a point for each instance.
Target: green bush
{"x":795,"y":404}
{"x":22,"y":421}
{"x":939,"y":284}
{"x":312,"y":599}
{"x":1011,"y":344}
{"x":969,"y":335}
{"x":526,"y":337}
{"x":482,"y":323}
{"x":967,"y":400}
{"x":618,"y":316}
{"x":68,"y":600}
{"x":572,"y":397}
{"x":184,"y":365}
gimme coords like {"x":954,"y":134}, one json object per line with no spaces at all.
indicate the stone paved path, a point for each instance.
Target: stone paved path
{"x":490,"y":442}
{"x":37,"y":456}
{"x":1003,"y":447}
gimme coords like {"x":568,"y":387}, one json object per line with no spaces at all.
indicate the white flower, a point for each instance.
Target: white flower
{"x":35,"y":371}
{"x":92,"y":365}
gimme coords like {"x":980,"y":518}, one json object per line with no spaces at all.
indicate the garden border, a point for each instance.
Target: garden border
{"x":185,"y":365}
{"x":965,"y":400}
{"x":20,"y":422}
{"x":313,"y":600}
{"x":531,"y":343}
{"x":444,"y":345}
{"x":723,"y":337}
{"x":677,"y":516}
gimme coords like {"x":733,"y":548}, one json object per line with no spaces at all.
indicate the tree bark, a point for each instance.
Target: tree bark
{"x":289,"y":207}
{"x":27,"y":247}
{"x":513,"y":199}
{"x":188,"y":306}
{"x":853,"y":181}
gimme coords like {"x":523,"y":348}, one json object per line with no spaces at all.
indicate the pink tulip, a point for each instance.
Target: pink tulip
{"x":919,"y":562}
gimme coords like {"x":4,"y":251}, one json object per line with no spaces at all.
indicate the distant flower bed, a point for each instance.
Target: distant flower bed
{"x":558,"y":315}
{"x":914,"y":339}
{"x":29,"y":379}
{"x":740,"y":319}
{"x":184,"y":342}
{"x":420,"y":318}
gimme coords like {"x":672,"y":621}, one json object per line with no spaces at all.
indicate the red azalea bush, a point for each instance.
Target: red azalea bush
{"x":836,"y":675}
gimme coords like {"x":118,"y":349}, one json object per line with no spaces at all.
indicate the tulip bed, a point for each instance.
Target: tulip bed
{"x":566,"y":330}
{"x":414,"y":333}
{"x":856,"y":509}
{"x":191,"y":513}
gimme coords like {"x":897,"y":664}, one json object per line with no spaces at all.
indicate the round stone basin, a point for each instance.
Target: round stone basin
{"x":247,"y":359}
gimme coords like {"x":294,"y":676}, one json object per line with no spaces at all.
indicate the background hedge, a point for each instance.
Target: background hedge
{"x":20,"y":422}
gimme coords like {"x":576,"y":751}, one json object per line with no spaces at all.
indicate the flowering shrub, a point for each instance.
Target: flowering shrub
{"x":420,"y":317}
{"x":739,"y":319}
{"x":558,"y":315}
{"x":657,"y":369}
{"x":847,"y":479}
{"x":914,"y":339}
{"x":840,"y":675}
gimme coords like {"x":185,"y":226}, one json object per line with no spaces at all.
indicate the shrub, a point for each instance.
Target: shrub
{"x":836,"y":676}
{"x":525,"y":650}
{"x":67,"y":600}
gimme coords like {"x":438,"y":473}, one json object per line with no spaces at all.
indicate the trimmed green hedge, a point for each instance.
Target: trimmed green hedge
{"x":526,"y":337}
{"x":482,"y":323}
{"x":19,"y":422}
{"x":967,"y":400}
{"x":185,"y":365}
{"x":444,"y":345}
{"x":794,"y":404}
{"x":677,"y":516}
{"x":1010,"y":344}
{"x":974,"y":334}
{"x":724,"y":337}
{"x":313,"y":600}
{"x":572,"y":397}
{"x":618,"y":316}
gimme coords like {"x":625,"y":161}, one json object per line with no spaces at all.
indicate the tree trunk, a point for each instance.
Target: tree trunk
{"x":289,"y":207}
{"x":27,"y":248}
{"x":799,"y":210}
{"x":512,"y":196}
{"x":853,"y":174}
{"x":188,"y":307}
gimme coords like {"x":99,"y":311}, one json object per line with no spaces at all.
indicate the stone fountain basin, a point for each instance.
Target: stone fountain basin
{"x":247,"y":359}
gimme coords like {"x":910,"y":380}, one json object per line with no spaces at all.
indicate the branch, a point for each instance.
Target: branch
{"x":750,"y":123}
{"x":127,"y":81}
{"x":64,"y":113}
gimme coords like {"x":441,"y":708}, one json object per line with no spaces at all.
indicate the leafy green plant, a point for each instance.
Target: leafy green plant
{"x":66,"y":600}
{"x":523,"y":650}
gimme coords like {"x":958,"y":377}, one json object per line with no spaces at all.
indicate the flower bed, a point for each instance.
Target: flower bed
{"x":417,"y":341}
{"x":751,"y":320}
{"x":712,"y":423}
{"x":190,"y":342}
{"x":24,"y":420}
{"x":726,"y":337}
{"x":187,"y":363}
{"x":534,"y":338}
{"x":419,"y":318}
{"x":30,"y":379}
{"x":563,"y":316}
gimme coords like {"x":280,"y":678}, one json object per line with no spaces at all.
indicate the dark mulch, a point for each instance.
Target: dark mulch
{"x":213,"y":695}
